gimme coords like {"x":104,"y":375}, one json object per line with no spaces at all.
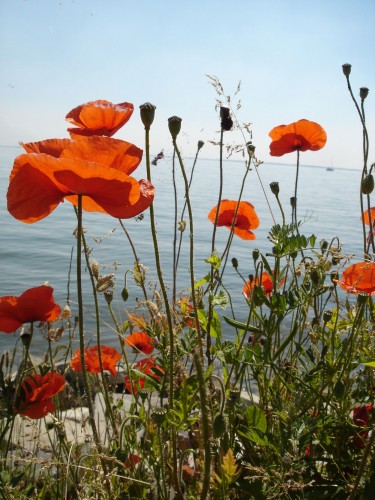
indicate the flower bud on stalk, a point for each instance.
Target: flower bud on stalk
{"x":367,"y":184}
{"x":250,"y":148}
{"x":174,"y":124}
{"x":363,"y":93}
{"x":256,"y":254}
{"x":200,"y":145}
{"x":346,"y":69}
{"x":293,"y":201}
{"x":275,"y":188}
{"x":147,"y":114}
{"x":234,"y":262}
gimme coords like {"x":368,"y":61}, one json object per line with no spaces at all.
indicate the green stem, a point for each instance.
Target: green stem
{"x":81,"y":331}
{"x":169,"y":319}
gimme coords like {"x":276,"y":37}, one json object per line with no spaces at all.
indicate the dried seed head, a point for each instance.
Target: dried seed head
{"x":363,"y":93}
{"x":226,"y":120}
{"x":105,"y":282}
{"x":55,"y":334}
{"x":147,"y":114}
{"x":275,"y":188}
{"x":174,"y":125}
{"x":346,"y":69}
{"x":158,"y":415}
{"x":95,"y":269}
{"x":66,"y":312}
{"x":108,"y":295}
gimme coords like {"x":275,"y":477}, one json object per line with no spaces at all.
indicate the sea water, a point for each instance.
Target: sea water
{"x":31,"y":254}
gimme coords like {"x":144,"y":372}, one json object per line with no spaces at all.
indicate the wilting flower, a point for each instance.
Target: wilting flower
{"x":35,"y":304}
{"x":303,"y":135}
{"x":361,"y":417}
{"x":246,"y":218}
{"x":34,"y":399}
{"x":98,"y":118}
{"x":140,"y":342}
{"x":110,"y":358}
{"x":146,"y":366}
{"x":359,"y":278}
{"x":265,"y":281}
{"x":40,"y":182}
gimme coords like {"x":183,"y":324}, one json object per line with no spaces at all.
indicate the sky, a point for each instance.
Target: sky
{"x":287,"y":54}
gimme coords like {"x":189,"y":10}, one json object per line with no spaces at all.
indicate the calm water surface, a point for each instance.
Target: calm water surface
{"x":328,"y":202}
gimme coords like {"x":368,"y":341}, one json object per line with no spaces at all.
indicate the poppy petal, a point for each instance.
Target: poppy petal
{"x":246,"y":218}
{"x":359,"y":278}
{"x":52,"y":147}
{"x":112,"y":153}
{"x":98,"y":117}
{"x":35,"y":304}
{"x":302,"y":135}
{"x":32,"y":195}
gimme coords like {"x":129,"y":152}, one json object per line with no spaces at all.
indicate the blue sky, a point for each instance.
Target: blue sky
{"x":56,"y":54}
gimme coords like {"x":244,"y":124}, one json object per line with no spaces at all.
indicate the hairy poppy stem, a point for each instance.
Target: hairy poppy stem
{"x":98,"y":340}
{"x":169,"y":317}
{"x":81,"y":333}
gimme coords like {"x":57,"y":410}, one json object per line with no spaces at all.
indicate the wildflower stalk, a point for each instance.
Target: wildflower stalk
{"x":81,"y":334}
{"x":206,"y":430}
{"x":361,"y":113}
{"x":147,"y":115}
{"x":191,"y":252}
{"x":98,"y":336}
{"x":200,"y":145}
{"x":175,"y":228}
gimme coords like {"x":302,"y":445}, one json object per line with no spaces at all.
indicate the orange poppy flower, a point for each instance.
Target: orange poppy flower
{"x":366,"y":217}
{"x":147,"y":366}
{"x":39,"y":182}
{"x":140,"y":342}
{"x":303,"y":135}
{"x":359,"y":278}
{"x":35,"y":304}
{"x":265,"y":282}
{"x":111,"y":153}
{"x":36,"y":391}
{"x":98,"y":118}
{"x":246,"y":218}
{"x":110,"y":358}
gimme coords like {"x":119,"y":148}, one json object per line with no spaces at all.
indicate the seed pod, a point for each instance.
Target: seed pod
{"x":367,"y":184}
{"x":315,"y":276}
{"x":158,"y":415}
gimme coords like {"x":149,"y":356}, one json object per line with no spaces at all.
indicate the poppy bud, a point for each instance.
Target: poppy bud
{"x":315,"y":276}
{"x":275,"y":188}
{"x":147,"y":114}
{"x":226,"y":120}
{"x":346,"y":69}
{"x":250,"y":148}
{"x":334,"y":277}
{"x":174,"y":124}
{"x":219,"y":425}
{"x":200,"y":145}
{"x":339,"y":389}
{"x":256,"y":254}
{"x":324,"y":245}
{"x":158,"y":415}
{"x":327,"y":316}
{"x":234,"y":262}
{"x":367,"y":184}
{"x":294,"y":254}
{"x":363,"y":93}
{"x":293,"y":201}
{"x":124,"y":294}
